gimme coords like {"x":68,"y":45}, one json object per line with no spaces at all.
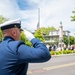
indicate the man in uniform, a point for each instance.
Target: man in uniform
{"x":14,"y":54}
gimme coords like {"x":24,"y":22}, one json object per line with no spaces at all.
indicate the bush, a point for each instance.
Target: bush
{"x":68,"y":51}
{"x":62,"y":52}
{"x":73,"y":51}
{"x":57,"y":52}
{"x":52,"y":52}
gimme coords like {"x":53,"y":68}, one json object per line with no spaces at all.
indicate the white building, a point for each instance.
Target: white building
{"x":56,"y":37}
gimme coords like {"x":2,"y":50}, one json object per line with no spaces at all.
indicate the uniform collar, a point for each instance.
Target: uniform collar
{"x":8,"y":37}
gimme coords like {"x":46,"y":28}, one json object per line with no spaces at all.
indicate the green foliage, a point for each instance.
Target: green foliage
{"x":73,"y":17}
{"x":24,"y":39}
{"x":2,"y":19}
{"x":73,"y":51}
{"x":47,"y":30}
{"x":65,"y":40}
{"x":1,"y":35}
{"x":39,"y":35}
{"x":65,"y":51}
{"x":71,"y":40}
{"x":52,"y":52}
{"x":62,"y":52}
{"x":68,"y":51}
{"x":57,"y":53}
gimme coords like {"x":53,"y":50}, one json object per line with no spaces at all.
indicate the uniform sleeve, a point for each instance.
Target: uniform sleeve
{"x":37,"y":53}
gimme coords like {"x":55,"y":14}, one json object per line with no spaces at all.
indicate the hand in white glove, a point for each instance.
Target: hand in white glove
{"x":29,"y":35}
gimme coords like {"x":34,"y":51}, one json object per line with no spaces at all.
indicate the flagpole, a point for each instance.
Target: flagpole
{"x":39,"y":16}
{"x":38,"y":25}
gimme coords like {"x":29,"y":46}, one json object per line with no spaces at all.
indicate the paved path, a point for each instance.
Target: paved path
{"x":58,"y":65}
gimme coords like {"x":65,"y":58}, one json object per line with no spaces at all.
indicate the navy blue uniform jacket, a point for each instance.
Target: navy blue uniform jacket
{"x":15,"y":56}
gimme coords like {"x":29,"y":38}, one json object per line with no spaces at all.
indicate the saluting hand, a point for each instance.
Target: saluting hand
{"x":29,"y":35}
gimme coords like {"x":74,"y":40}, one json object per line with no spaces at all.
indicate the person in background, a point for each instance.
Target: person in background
{"x":50,"y":48}
{"x":15,"y":54}
{"x":54,"y":47}
{"x":47,"y":46}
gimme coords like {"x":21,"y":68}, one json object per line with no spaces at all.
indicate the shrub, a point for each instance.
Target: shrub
{"x":52,"y":52}
{"x":62,"y":52}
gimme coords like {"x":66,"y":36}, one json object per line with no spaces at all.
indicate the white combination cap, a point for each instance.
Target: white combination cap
{"x":11,"y":24}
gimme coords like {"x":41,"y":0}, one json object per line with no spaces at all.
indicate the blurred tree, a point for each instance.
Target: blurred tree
{"x":2,"y":19}
{"x":1,"y":36}
{"x":73,"y":17}
{"x":65,"y":40}
{"x":39,"y":34}
{"x":47,"y":30}
{"x":24,"y":39}
{"x":71,"y":40}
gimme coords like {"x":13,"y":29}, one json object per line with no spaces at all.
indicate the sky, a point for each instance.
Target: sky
{"x":52,"y":12}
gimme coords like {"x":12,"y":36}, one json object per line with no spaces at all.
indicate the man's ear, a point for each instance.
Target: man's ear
{"x":13,"y":32}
